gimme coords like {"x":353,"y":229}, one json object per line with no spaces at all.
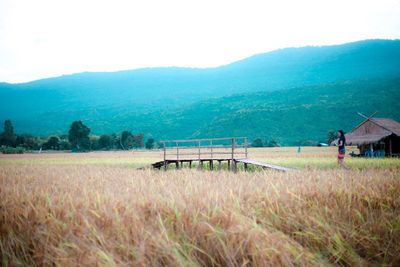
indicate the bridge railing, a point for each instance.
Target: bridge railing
{"x":208,"y":148}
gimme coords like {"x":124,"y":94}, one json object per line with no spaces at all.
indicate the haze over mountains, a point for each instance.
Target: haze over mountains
{"x":289,"y":95}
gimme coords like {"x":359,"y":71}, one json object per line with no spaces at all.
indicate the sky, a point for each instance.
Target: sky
{"x":48,"y":38}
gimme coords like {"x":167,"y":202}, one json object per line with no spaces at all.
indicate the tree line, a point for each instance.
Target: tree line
{"x":258,"y":142}
{"x":330,"y":137}
{"x":78,"y":139}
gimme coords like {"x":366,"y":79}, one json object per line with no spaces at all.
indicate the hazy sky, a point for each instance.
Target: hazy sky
{"x":45,"y":38}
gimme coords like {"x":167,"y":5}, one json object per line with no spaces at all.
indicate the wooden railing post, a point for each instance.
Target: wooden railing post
{"x":199,"y":151}
{"x":245,"y":146}
{"x":177,"y":155}
{"x":165,"y":151}
{"x":233,"y":148}
{"x":177,"y":151}
{"x":233,"y":155}
{"x":211,"y":145}
{"x":165,"y":155}
{"x":199,"y":154}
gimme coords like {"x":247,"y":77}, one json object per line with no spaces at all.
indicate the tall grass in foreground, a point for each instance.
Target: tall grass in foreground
{"x":108,"y":216}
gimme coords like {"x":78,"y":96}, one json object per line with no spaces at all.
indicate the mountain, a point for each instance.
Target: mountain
{"x":286,"y":116}
{"x":267,"y":95}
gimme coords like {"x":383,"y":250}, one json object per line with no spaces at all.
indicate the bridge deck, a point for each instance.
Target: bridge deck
{"x":233,"y":150}
{"x":245,"y":161}
{"x":264,"y":165}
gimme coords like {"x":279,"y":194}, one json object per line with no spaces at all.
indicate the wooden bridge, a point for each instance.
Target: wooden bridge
{"x":213,"y":151}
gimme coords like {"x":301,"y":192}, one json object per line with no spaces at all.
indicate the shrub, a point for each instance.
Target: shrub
{"x":12,"y":150}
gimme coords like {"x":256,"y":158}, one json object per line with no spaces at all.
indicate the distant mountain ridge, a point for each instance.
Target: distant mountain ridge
{"x":111,"y":102}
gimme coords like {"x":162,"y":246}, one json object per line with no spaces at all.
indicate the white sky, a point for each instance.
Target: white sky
{"x":46,"y":38}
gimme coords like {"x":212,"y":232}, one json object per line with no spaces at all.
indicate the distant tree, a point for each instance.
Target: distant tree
{"x":94,"y":142}
{"x":330,"y":137}
{"x":257,"y":143}
{"x":160,"y":145}
{"x":126,"y":140}
{"x":78,"y":136}
{"x":138,"y":140}
{"x":65,"y":145}
{"x":115,"y":140}
{"x":150,"y":143}
{"x":52,"y":143}
{"x":20,"y":141}
{"x":63,"y":137}
{"x":272,"y":143}
{"x":105,"y":141}
{"x":29,"y":141}
{"x":8,"y":137}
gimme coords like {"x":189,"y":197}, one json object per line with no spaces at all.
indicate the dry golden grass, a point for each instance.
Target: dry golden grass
{"x":87,"y":213}
{"x":309,"y":158}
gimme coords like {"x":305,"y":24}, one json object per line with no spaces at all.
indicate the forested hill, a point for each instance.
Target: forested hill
{"x":289,"y":117}
{"x":290,"y":94}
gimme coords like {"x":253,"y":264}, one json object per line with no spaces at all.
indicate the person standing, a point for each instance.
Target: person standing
{"x":341,"y":148}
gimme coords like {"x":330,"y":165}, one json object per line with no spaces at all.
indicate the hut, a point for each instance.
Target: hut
{"x":376,"y":137}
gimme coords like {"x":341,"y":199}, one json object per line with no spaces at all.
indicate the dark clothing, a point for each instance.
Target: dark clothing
{"x":341,"y":143}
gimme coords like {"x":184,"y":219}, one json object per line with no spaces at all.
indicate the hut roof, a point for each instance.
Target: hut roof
{"x":388,"y":124}
{"x":372,"y":130}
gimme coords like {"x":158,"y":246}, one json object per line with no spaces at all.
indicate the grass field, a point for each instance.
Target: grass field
{"x":96,"y":209}
{"x":308,"y":158}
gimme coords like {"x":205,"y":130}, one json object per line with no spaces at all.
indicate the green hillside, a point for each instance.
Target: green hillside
{"x":291,"y":116}
{"x":286,"y":116}
{"x":287,"y":95}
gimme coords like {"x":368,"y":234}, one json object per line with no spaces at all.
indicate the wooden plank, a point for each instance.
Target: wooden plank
{"x":264,"y":165}
{"x":231,"y":164}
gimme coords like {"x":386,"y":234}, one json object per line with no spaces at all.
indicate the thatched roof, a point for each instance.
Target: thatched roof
{"x":372,"y":130}
{"x":352,"y":140}
{"x":388,"y":124}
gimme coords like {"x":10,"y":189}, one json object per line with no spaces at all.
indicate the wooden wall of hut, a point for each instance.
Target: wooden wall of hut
{"x":391,"y":146}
